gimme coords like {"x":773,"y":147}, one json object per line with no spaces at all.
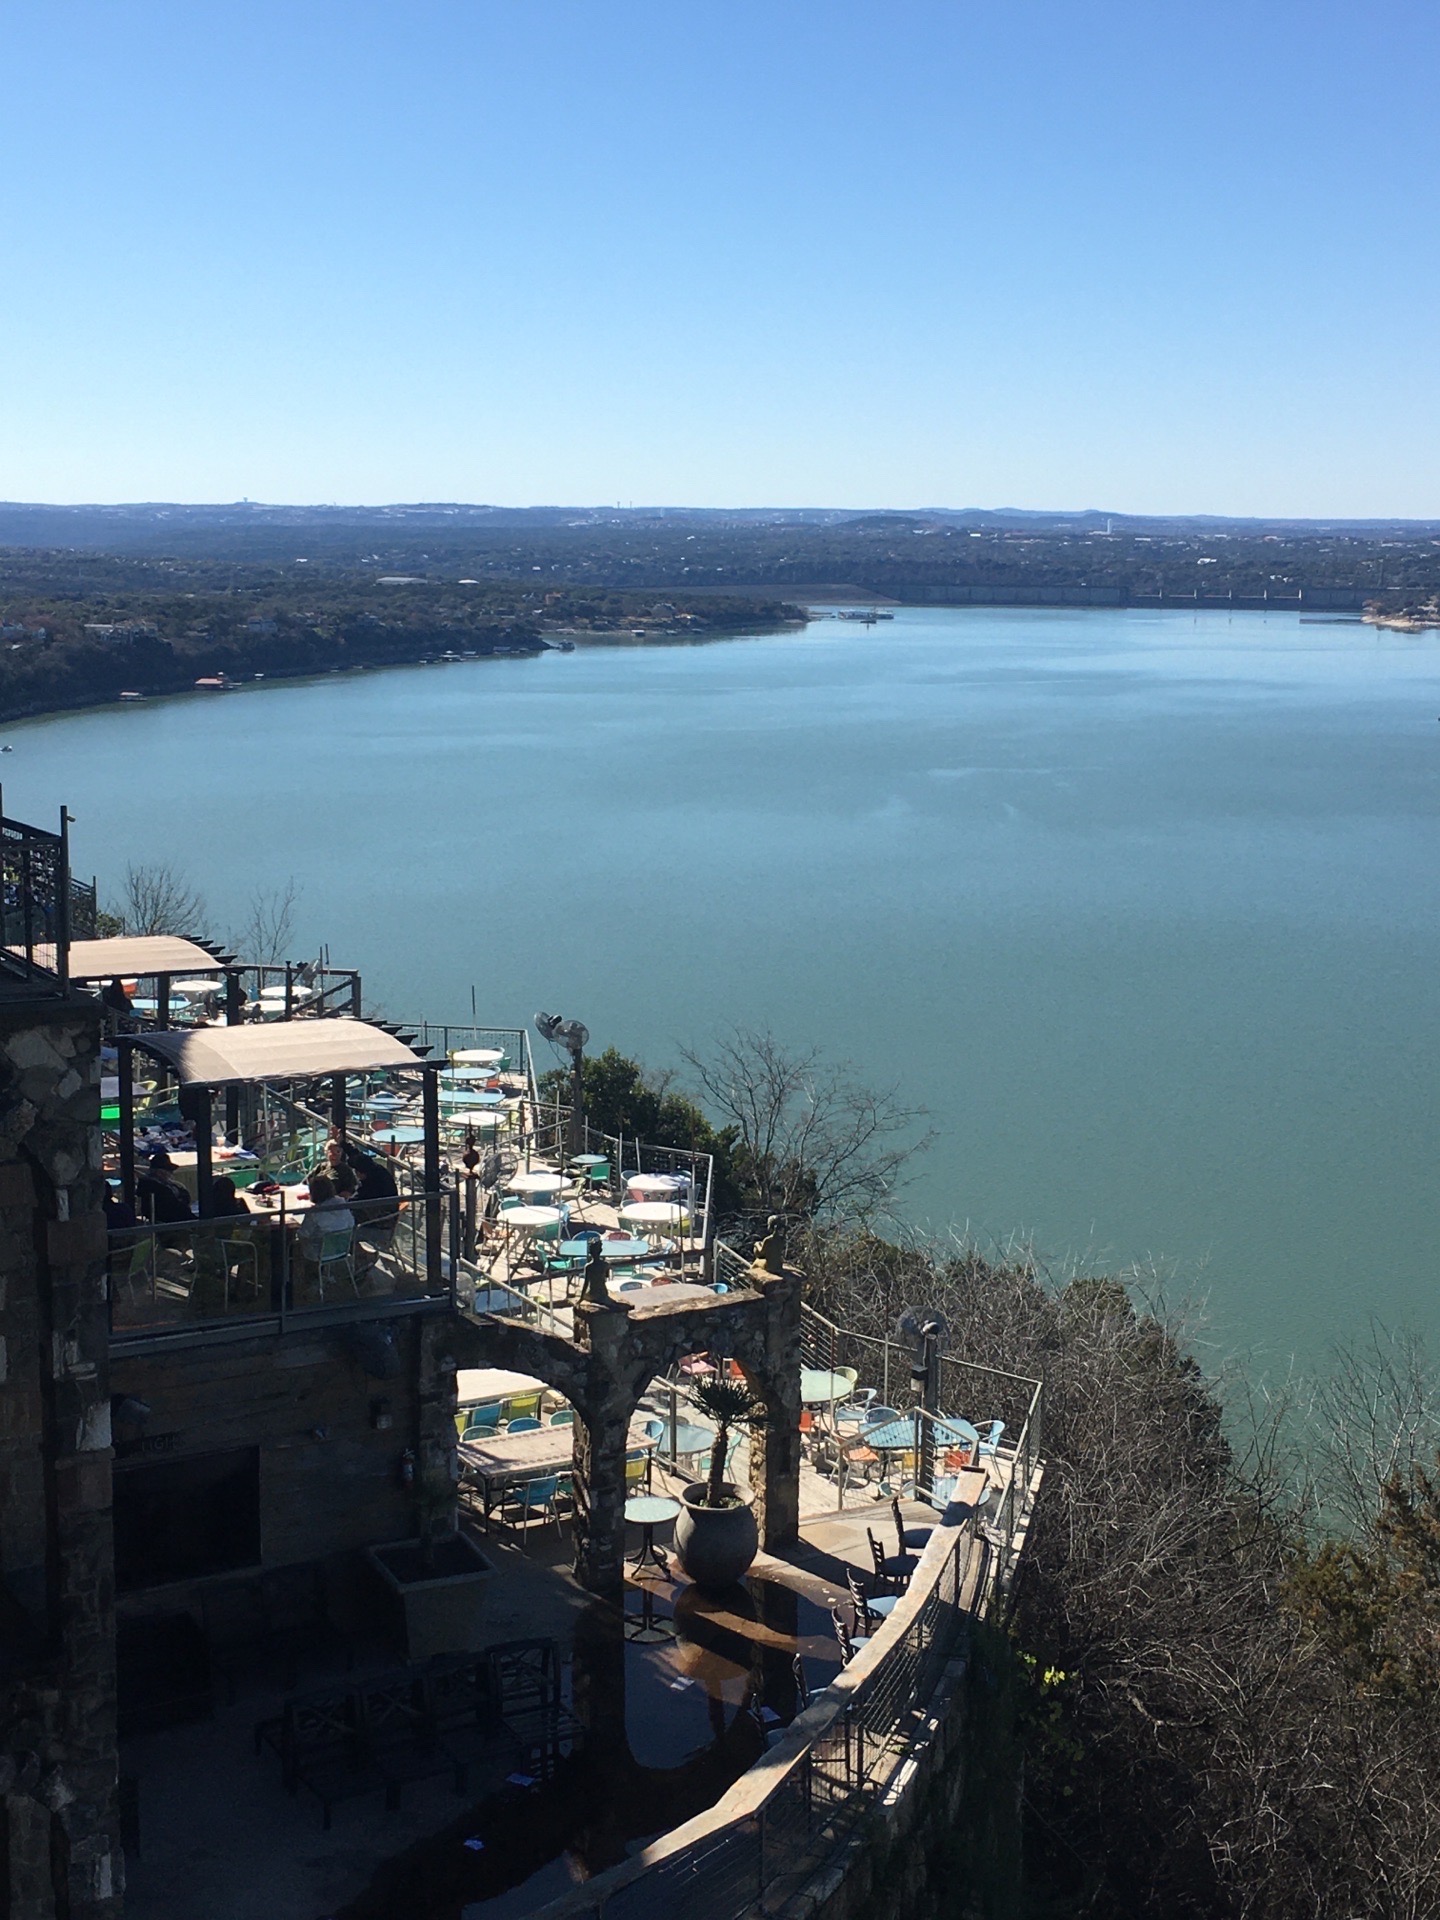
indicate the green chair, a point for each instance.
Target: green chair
{"x":336,"y":1258}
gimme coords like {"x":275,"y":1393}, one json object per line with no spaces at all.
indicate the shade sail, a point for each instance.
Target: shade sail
{"x":294,"y":1050}
{"x":127,"y":957}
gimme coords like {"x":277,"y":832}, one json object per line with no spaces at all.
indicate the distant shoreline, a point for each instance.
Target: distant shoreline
{"x":258,"y":683}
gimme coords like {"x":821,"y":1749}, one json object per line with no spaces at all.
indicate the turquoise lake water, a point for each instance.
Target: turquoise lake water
{"x":1142,"y":907}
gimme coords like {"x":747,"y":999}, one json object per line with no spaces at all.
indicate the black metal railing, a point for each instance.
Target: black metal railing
{"x":42,"y":908}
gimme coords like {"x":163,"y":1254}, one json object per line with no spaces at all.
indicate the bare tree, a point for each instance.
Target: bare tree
{"x":155,"y":898}
{"x":1376,"y":1415}
{"x":811,"y":1142}
{"x":268,"y":929}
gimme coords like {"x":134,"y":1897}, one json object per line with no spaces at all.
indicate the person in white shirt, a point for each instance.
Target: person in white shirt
{"x":327,"y":1214}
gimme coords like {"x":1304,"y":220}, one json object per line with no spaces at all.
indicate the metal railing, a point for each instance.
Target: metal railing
{"x":547,"y":1133}
{"x":513,"y":1042}
{"x":309,"y":990}
{"x":979,"y":1394}
{"x":42,"y":906}
{"x":253,"y":1272}
{"x":781,"y":1822}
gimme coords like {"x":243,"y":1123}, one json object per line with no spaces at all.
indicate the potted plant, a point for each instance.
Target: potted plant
{"x":715,"y":1536}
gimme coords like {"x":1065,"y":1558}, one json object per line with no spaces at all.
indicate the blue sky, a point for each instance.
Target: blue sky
{"x":1159,"y":257}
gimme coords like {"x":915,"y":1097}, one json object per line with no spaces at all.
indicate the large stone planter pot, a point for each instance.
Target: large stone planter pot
{"x":715,"y":1545}
{"x":439,"y":1605}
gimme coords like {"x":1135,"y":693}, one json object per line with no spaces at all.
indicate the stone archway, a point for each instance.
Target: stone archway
{"x":617,"y":1351}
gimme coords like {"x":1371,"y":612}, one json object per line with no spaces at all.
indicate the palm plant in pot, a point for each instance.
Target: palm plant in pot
{"x":715,"y":1536}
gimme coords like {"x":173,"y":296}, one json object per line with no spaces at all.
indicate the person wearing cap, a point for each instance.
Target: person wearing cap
{"x":160,"y":1196}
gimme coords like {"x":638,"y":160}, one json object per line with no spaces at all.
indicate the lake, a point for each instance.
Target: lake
{"x":1142,"y":907}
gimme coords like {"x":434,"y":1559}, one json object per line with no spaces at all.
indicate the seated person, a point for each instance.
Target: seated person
{"x":326,"y":1214}
{"x":160,"y":1195}
{"x":225,"y":1200}
{"x":119,"y":1214}
{"x":376,"y":1195}
{"x":332,"y":1159}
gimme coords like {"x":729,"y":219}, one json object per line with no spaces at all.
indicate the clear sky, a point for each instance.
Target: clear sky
{"x":1142,"y":254}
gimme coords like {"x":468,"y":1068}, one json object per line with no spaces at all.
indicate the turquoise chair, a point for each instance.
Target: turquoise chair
{"x":524,"y":1425}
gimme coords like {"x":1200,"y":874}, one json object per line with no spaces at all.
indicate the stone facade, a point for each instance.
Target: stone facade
{"x":59,"y":1835}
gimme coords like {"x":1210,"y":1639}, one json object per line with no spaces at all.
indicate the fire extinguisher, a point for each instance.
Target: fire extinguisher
{"x":407,"y":1469}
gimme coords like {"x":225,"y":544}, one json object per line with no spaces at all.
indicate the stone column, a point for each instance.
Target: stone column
{"x":775,"y":1446}
{"x":437,"y":1470}
{"x":602,"y":1430}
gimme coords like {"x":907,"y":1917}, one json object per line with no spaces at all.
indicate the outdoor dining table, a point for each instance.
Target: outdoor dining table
{"x":539,"y":1182}
{"x":476,"y":1385}
{"x":398,"y":1136}
{"x":478,"y":1056}
{"x":510,"y":1459}
{"x":588,"y":1160}
{"x":385,"y":1102}
{"x":648,"y":1511}
{"x":686,"y":1443}
{"x":470,"y":1097}
{"x":486,"y":1118}
{"x":899,"y":1436}
{"x":652,"y":1213}
{"x":610,"y":1250}
{"x":467,"y":1073}
{"x":186,"y":1162}
{"x":529,"y":1219}
{"x":821,"y":1388}
{"x":648,"y":1186}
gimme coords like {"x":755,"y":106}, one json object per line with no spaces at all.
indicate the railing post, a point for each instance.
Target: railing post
{"x":284,"y":1244}
{"x":62,"y":905}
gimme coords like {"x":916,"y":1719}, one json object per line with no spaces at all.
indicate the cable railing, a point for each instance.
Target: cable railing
{"x":512,"y":1043}
{"x":781,"y":1822}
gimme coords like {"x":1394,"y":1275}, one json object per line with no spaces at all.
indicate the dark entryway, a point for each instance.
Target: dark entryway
{"x":181,"y":1519}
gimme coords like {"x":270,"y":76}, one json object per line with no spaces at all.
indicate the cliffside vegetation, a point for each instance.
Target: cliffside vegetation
{"x":1226,"y":1633}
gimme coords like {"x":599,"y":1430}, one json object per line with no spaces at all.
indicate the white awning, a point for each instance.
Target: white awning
{"x":292,"y":1050}
{"x":139,"y":957}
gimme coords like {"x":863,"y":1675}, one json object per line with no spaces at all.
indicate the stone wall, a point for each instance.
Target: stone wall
{"x":347,"y":1458}
{"x":59,"y":1838}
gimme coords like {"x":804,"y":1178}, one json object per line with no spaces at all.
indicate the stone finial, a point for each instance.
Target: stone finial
{"x":769,"y":1254}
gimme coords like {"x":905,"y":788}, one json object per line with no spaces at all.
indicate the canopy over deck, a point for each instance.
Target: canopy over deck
{"x":140,"y":956}
{"x":298,"y":1050}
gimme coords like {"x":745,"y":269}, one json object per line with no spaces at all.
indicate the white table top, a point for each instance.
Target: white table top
{"x":656,"y":1183}
{"x":529,"y":1216}
{"x":477,"y":1056}
{"x":652,"y":1213}
{"x":475,"y":1384}
{"x":528,"y":1455}
{"x":536,"y":1183}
